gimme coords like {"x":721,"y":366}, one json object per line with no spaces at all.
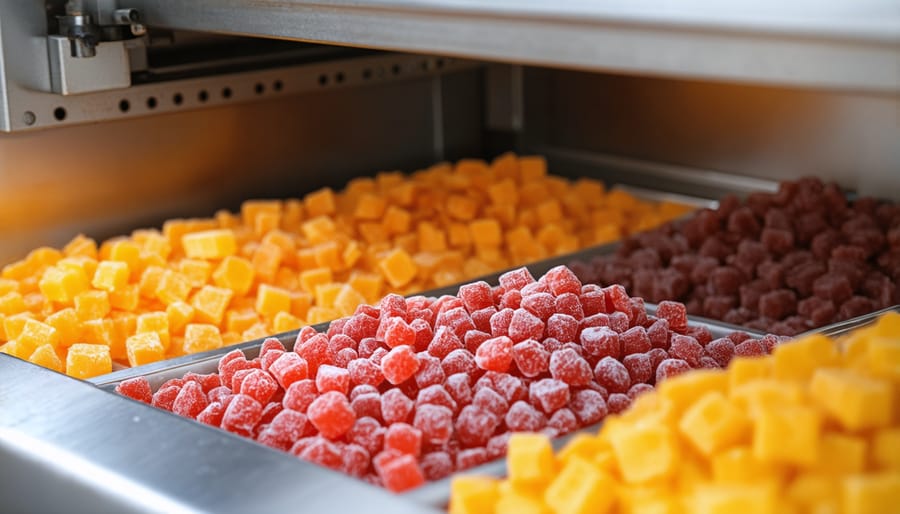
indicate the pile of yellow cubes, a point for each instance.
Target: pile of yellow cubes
{"x":813,"y":428}
{"x":200,"y":284}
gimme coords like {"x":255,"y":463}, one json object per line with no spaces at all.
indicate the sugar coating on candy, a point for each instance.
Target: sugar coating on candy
{"x":430,"y":370}
{"x":531,"y":358}
{"x":397,"y":332}
{"x":525,"y":325}
{"x":500,"y":322}
{"x":364,"y":372}
{"x":687,"y":349}
{"x":355,"y":460}
{"x":570,"y":305}
{"x":516,"y":279}
{"x":474,"y":426}
{"x":238,"y":379}
{"x":670,"y":368}
{"x":471,"y":457}
{"x":548,"y":394}
{"x":368,"y":433}
{"x":314,"y":351}
{"x":612,"y":375}
{"x":367,"y":405}
{"x":289,"y":368}
{"x":320,"y":451}
{"x":403,"y":438}
{"x":562,"y":327}
{"x":287,"y":426}
{"x":165,"y":397}
{"x":588,"y":406}
{"x":457,"y":320}
{"x":600,"y":342}
{"x":722,"y":350}
{"x":435,"y":395}
{"x":361,"y":326}
{"x":617,"y":403}
{"x":435,"y":423}
{"x":510,"y":387}
{"x":482,"y":318}
{"x":476,"y":296}
{"x":563,"y":421}
{"x":331,"y":414}
{"x":566,"y":365}
{"x":436,"y":465}
{"x":190,"y":400}
{"x":400,"y":473}
{"x":242,"y":414}
{"x":522,"y":417}
{"x":444,"y":342}
{"x":424,"y":334}
{"x":459,"y":388}
{"x":399,"y":364}
{"x":640,"y":368}
{"x":300,"y":395}
{"x":749,"y":348}
{"x":635,"y":340}
{"x":674,"y":313}
{"x":491,"y":401}
{"x":218,"y":394}
{"x":212,"y":415}
{"x":459,"y":361}
{"x":542,"y":305}
{"x":395,"y":406}
{"x":259,"y":385}
{"x":495,"y":354}
{"x":137,"y":388}
{"x":639,"y":389}
{"x":562,"y":280}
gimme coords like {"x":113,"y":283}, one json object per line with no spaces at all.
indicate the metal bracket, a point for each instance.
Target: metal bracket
{"x":108,"y":68}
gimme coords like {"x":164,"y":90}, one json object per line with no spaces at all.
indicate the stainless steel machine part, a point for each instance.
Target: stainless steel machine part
{"x":68,"y":446}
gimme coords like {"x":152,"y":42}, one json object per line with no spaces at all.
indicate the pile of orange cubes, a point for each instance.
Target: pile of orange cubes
{"x":200,"y":284}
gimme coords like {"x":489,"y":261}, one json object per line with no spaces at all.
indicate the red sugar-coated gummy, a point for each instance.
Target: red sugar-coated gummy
{"x":339,"y":342}
{"x":511,"y":388}
{"x":399,"y":364}
{"x":617,"y":298}
{"x":670,"y":368}
{"x":482,"y":318}
{"x":363,"y":389}
{"x":368,"y":346}
{"x":515,"y":279}
{"x":563,"y":421}
{"x":525,"y":325}
{"x":400,"y":473}
{"x":562,"y":327}
{"x":674,"y":313}
{"x":571,"y":368}
{"x":639,"y":367}
{"x":320,"y":451}
{"x":315,"y":351}
{"x":595,"y":320}
{"x":424,"y":334}
{"x":212,"y":414}
{"x":707,"y":362}
{"x":266,"y":359}
{"x":535,"y":287}
{"x":476,"y":295}
{"x":459,"y":361}
{"x":722,"y":350}
{"x":435,"y":422}
{"x":430,"y":370}
{"x":242,"y":414}
{"x":470,"y":458}
{"x":600,"y":342}
{"x":593,"y":302}
{"x":635,"y":340}
{"x":332,"y":378}
{"x":542,"y":305}
{"x":227,"y":371}
{"x":426,"y":315}
{"x":287,"y":426}
{"x":612,"y":375}
{"x":300,"y":395}
{"x":331,"y":414}
{"x":397,"y":332}
{"x":496,"y":446}
{"x":435,"y":395}
{"x":570,"y":305}
{"x":511,"y":300}
{"x":617,"y":403}
{"x":368,"y":310}
{"x":259,"y":385}
{"x":638,"y":389}
{"x":659,"y":334}
{"x":551,"y":345}
{"x":458,"y":387}
{"x":165,"y":397}
{"x":368,"y":433}
{"x":137,"y":388}
{"x":303,"y":335}
{"x":474,"y":338}
{"x":393,"y":305}
{"x":207,"y":382}
{"x":531,"y":358}
{"x":444,"y":342}
{"x":562,"y":280}
{"x":335,"y":327}
{"x":364,"y":372}
{"x":749,"y":348}
{"x":403,"y":438}
{"x":217,"y":394}
{"x":355,"y":460}
{"x":361,"y":326}
{"x":495,"y":354}
{"x":270,"y":410}
{"x":522,"y":417}
{"x":588,"y":406}
{"x":437,"y":465}
{"x":619,"y":321}
{"x":345,"y":357}
{"x":491,"y":401}
{"x":190,"y":400}
{"x":475,"y":426}
{"x":378,"y":354}
{"x":687,"y":349}
{"x":367,"y":405}
{"x":500,"y":322}
{"x":458,"y":320}
{"x":548,"y":394}
{"x":270,"y":343}
{"x":395,"y":406}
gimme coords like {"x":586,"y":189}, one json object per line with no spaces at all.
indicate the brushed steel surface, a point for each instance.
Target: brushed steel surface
{"x":67,"y":446}
{"x":831,"y":44}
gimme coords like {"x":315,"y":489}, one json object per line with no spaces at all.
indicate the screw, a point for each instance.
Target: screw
{"x":29,"y":118}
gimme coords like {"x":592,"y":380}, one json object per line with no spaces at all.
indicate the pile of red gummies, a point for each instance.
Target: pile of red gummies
{"x":782,"y":262}
{"x":415,"y":389}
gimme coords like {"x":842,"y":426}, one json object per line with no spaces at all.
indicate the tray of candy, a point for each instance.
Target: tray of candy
{"x":844,"y":327}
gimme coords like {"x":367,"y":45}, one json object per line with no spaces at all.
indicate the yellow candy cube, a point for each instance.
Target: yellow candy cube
{"x":788,"y":435}
{"x":97,"y":331}
{"x":67,"y":326}
{"x":396,"y":220}
{"x":800,"y":358}
{"x":111,"y":275}
{"x":126,"y":251}
{"x":730,"y":499}
{"x":312,"y":278}
{"x":266,"y":222}
{"x":461,"y":207}
{"x":239,"y":321}
{"x":173,"y":287}
{"x":883,"y":357}
{"x":530,"y":460}
{"x":45,"y":355}
{"x":319,"y":202}
{"x":319,"y":229}
{"x":580,"y":488}
{"x":62,"y":284}
{"x":157,"y":323}
{"x":285,"y":322}
{"x":472,"y":494}
{"x":8,"y":285}
{"x":81,"y":245}
{"x":15,"y":324}
{"x":855,"y":401}
{"x":300,"y":304}
{"x":841,"y":454}
{"x":88,"y":360}
{"x":272,"y":300}
{"x":746,"y":369}
{"x":369,"y":207}
{"x":150,"y":279}
{"x":532,"y":167}
{"x":398,"y":268}
{"x":209,"y":244}
{"x":196,"y":271}
{"x":201,"y":337}
{"x":92,"y":305}
{"x":235,"y":273}
{"x":713,"y":423}
{"x":326,"y":294}
{"x":767,"y":394}
{"x":351,"y":254}
{"x":739,"y":466}
{"x":347,"y":300}
{"x":645,"y":452}
{"x":318,"y":315}
{"x":486,"y":233}
{"x":518,"y":502}
{"x":872,"y":494}
{"x":12,"y":303}
{"x":681,"y":391}
{"x":504,"y":192}
{"x":35,"y":334}
{"x":328,"y":255}
{"x":431,"y":238}
{"x":266,"y":260}
{"x":144,"y":348}
{"x":210,"y":304}
{"x":886,"y":448}
{"x":125,"y":299}
{"x":179,"y":315}
{"x":814,"y":493}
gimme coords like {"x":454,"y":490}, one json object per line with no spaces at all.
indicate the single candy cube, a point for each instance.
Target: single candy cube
{"x":472,"y":494}
{"x":144,"y":348}
{"x":234,"y":273}
{"x":289,"y":368}
{"x":601,"y":342}
{"x":403,"y":438}
{"x":495,"y":354}
{"x":670,"y":368}
{"x":320,"y":451}
{"x":331,"y":414}
{"x":137,"y":388}
{"x":687,"y":349}
{"x":200,"y":337}
{"x":191,"y":400}
{"x":259,"y":385}
{"x":516,"y":279}
{"x":430,"y":370}
{"x":242,"y":415}
{"x":435,"y":422}
{"x":548,"y":394}
{"x":857,"y":402}
{"x":612,"y":375}
{"x":300,"y":395}
{"x":332,"y":378}
{"x":164,"y":398}
{"x":471,"y":457}
{"x":209,"y":244}
{"x":435,"y":395}
{"x":712,"y":423}
{"x":400,"y":473}
{"x":398,"y":268}
{"x":674,"y":313}
{"x":566,"y":365}
{"x":580,"y":487}
{"x":395,"y":406}
{"x":474,"y":426}
{"x":640,"y":368}
{"x":525,"y":325}
{"x":364,"y":371}
{"x":436,"y":465}
{"x":531,"y":358}
{"x":476,"y":296}
{"x":368,"y":433}
{"x":398,"y":332}
{"x":399,"y":364}
{"x":88,"y":360}
{"x":645,"y":452}
{"x":562,"y":327}
{"x":522,"y":417}
{"x":564,"y":421}
{"x":111,"y":276}
{"x":789,"y":435}
{"x":871,"y":493}
{"x":588,"y":406}
{"x":488,"y":399}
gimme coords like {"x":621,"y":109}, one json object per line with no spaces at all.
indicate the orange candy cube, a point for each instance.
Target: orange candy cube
{"x":200,"y":337}
{"x":88,"y":360}
{"x":209,"y":244}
